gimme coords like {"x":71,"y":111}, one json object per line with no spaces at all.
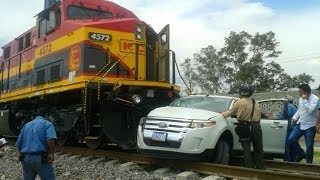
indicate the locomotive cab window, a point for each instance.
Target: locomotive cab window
{"x":28,"y":40}
{"x":75,"y":12}
{"x":6,"y":52}
{"x":55,"y":73}
{"x":48,"y":21}
{"x":20,"y":43}
{"x":40,"y":77}
{"x":43,"y":27}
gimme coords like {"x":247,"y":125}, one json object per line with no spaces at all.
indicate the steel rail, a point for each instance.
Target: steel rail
{"x":205,"y":168}
{"x":284,"y":166}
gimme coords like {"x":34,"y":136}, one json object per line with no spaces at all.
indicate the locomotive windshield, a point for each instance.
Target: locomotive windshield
{"x":76,"y":12}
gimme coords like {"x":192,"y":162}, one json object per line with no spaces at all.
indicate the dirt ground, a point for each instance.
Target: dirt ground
{"x":316,"y":157}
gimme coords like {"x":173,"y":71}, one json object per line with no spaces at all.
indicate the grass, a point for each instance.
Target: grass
{"x":316,"y":157}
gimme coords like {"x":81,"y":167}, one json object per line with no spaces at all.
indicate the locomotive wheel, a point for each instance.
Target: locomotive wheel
{"x":94,"y":143}
{"x":63,"y":138}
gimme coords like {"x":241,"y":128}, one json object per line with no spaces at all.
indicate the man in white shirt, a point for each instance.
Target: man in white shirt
{"x":306,"y":116}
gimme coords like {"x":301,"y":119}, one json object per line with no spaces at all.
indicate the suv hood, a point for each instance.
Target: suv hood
{"x":182,"y":113}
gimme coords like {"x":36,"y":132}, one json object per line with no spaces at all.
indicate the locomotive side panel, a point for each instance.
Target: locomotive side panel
{"x":96,"y":67}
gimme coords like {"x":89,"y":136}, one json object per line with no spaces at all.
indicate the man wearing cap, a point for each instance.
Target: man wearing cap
{"x":249,"y":129}
{"x":289,"y":156}
{"x":36,"y":147}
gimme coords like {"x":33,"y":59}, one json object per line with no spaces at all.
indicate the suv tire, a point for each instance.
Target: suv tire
{"x":221,"y":153}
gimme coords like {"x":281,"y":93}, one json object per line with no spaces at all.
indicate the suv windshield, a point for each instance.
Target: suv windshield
{"x":75,"y":12}
{"x":215,"y":104}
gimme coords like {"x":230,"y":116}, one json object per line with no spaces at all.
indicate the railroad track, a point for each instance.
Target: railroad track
{"x":275,"y":170}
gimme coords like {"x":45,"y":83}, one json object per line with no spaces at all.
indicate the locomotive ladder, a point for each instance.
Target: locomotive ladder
{"x":86,"y":122}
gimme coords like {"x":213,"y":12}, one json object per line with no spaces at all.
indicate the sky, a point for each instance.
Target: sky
{"x":196,"y":24}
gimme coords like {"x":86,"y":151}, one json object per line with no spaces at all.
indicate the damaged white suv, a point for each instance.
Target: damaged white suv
{"x":193,"y":128}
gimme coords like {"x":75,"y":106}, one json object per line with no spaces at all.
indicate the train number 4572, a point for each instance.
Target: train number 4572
{"x":99,"y":37}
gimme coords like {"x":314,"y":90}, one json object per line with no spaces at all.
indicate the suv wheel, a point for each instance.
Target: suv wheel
{"x":221,"y":153}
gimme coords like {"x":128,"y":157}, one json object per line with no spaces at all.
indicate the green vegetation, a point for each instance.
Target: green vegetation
{"x":244,"y":58}
{"x":316,"y":154}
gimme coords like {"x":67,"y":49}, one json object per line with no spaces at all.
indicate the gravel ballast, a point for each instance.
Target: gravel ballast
{"x":78,"y":167}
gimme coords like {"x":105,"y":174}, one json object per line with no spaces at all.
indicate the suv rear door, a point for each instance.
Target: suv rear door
{"x":274,"y":125}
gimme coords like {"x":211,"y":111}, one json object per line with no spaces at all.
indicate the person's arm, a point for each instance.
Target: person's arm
{"x":51,"y":145}
{"x":51,"y":136}
{"x":232,"y":111}
{"x":310,"y":105}
{"x":296,"y":115}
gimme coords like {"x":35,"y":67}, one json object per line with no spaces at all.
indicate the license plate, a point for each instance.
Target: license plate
{"x":159,"y":136}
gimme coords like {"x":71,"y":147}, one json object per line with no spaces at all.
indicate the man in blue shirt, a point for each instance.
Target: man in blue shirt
{"x":306,"y":117}
{"x":36,"y":143}
{"x":291,"y":110}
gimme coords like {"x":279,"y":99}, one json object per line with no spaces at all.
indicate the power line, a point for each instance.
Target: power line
{"x":301,"y":56}
{"x":300,"y":59}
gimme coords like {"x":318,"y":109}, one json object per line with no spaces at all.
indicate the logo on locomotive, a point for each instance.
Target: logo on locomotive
{"x":74,"y":58}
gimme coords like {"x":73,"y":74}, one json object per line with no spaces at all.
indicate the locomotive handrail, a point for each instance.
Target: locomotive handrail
{"x":116,"y":86}
{"x":99,"y":83}
{"x":89,"y":81}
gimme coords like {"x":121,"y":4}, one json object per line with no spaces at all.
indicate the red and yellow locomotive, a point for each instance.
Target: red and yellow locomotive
{"x":94,"y":64}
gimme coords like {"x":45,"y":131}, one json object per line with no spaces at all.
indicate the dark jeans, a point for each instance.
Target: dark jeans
{"x":258,"y":156}
{"x":33,"y":165}
{"x":308,"y":134}
{"x":294,"y":151}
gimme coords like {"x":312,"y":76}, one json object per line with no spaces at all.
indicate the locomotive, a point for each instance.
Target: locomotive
{"x":94,"y":65}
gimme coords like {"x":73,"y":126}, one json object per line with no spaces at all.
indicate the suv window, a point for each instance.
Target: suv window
{"x":273,"y":110}
{"x":214,"y":104}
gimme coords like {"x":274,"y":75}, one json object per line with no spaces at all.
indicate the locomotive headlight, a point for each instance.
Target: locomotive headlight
{"x":136,"y":99}
{"x":139,"y":36}
{"x":138,"y":29}
{"x":202,"y":124}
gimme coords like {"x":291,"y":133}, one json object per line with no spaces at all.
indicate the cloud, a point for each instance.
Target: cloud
{"x":196,"y":25}
{"x":17,"y":17}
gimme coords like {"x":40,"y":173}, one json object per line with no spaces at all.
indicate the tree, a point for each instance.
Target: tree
{"x":210,"y":70}
{"x":189,"y":77}
{"x":244,"y":58}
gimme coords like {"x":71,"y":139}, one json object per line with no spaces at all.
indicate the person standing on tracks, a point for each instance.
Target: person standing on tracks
{"x":249,"y":130}
{"x":36,"y":144}
{"x":290,"y":111}
{"x":306,"y":118}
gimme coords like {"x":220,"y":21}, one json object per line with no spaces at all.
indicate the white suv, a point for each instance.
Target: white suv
{"x":193,"y":128}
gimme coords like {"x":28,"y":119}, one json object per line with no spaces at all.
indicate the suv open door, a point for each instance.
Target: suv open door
{"x":163,"y":64}
{"x":274,"y":124}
